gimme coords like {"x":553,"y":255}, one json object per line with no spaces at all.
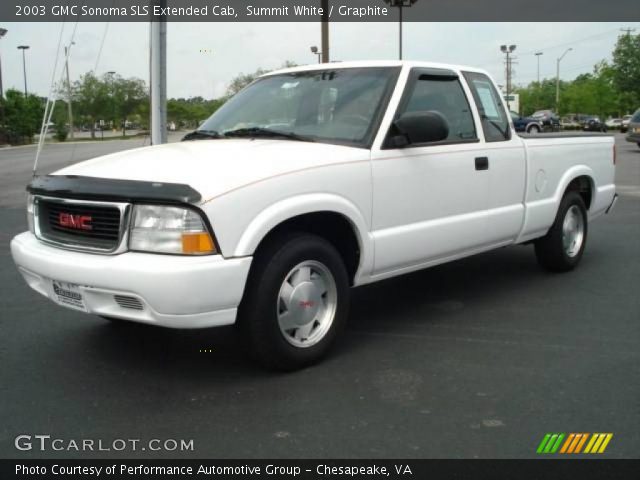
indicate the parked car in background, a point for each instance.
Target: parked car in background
{"x":548,"y":119}
{"x":625,"y":123}
{"x":569,"y":123}
{"x":614,"y":123}
{"x":594,"y":124}
{"x":634,"y":128}
{"x":526,"y":124}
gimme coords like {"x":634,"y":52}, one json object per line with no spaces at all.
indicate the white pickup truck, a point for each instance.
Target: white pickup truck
{"x":310,"y":181}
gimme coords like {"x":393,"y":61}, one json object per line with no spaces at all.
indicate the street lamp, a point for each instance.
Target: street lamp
{"x":538,"y":57}
{"x":3,"y":32}
{"x":400,"y":4}
{"x":111,"y":74}
{"x":24,"y":67}
{"x":558,"y":78}
{"x":315,"y":51}
{"x":538,"y":87}
{"x":67,"y":51}
{"x":508,"y":50}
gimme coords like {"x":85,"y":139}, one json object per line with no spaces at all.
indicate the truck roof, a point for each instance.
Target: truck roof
{"x":376,"y":63}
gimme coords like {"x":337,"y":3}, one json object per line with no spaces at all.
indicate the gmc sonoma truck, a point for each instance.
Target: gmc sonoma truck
{"x":308,"y":182}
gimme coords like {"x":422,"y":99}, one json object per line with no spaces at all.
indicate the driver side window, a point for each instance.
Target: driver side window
{"x":442,"y":94}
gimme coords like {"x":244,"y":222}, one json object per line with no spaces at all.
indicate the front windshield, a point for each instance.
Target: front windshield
{"x":333,"y":106}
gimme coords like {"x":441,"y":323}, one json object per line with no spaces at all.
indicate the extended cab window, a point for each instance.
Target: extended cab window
{"x":442,"y":94}
{"x":495,"y":123}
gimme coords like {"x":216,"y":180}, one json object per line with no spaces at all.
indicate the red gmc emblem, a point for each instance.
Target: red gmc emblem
{"x":79,"y":222}
{"x":307,"y":303}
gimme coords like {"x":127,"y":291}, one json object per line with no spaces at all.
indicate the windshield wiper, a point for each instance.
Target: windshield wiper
{"x":266,"y":132}
{"x":201,"y":135}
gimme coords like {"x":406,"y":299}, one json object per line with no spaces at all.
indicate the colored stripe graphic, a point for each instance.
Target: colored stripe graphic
{"x":550,"y":443}
{"x":568,"y":442}
{"x":573,"y":443}
{"x":543,"y":443}
{"x":598,"y":443}
{"x":582,"y":440}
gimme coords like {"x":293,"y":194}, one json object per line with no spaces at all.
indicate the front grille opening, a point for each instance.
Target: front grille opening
{"x":131,"y":303}
{"x":92,"y":226}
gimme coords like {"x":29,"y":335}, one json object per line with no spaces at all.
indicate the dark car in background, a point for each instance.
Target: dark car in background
{"x":634,"y":128}
{"x":526,"y":124}
{"x":548,"y":119}
{"x":593,"y":124}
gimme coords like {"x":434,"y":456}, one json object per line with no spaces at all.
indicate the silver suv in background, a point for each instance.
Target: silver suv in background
{"x":634,"y":128}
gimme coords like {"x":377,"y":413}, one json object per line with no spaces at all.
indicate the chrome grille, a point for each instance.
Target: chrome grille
{"x":93,"y":226}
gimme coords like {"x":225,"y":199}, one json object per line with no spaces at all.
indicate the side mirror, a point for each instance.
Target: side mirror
{"x":420,"y":127}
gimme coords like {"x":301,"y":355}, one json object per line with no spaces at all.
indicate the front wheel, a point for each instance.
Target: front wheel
{"x":296,"y":301}
{"x":534,"y":129}
{"x":561,"y":249}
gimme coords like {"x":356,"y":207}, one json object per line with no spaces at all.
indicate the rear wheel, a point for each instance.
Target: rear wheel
{"x":561,"y":249}
{"x":533,"y":129}
{"x":296,"y":301}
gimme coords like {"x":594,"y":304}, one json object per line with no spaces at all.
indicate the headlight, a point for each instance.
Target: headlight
{"x":30,"y":208}
{"x":169,"y":230}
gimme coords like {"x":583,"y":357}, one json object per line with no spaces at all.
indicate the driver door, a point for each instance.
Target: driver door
{"x":430,"y":200}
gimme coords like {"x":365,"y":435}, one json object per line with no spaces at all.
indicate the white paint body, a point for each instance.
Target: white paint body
{"x":410,"y":208}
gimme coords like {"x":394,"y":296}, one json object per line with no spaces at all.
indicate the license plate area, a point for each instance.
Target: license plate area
{"x":68,"y":295}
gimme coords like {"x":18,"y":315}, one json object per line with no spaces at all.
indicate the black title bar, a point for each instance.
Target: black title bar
{"x":311,"y":11}
{"x":321,"y":469}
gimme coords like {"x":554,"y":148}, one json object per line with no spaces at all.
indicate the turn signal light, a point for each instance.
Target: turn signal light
{"x":197,"y":243}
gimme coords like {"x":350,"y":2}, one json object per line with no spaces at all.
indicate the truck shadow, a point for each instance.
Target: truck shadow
{"x":393,"y":306}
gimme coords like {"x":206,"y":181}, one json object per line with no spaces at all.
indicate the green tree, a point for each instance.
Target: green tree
{"x":22,"y":117}
{"x":128,"y":94}
{"x":626,"y":71}
{"x":244,"y":79}
{"x":92,"y":100}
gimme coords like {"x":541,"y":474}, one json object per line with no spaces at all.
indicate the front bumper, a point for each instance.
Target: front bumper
{"x":174,"y":291}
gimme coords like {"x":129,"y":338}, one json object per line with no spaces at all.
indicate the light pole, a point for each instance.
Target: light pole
{"x":508,"y":50}
{"x":24,"y":67}
{"x":315,"y":51}
{"x":324,"y":31}
{"x":112,"y":92}
{"x":3,"y":32}
{"x":558,"y":78}
{"x":67,"y":50}
{"x":400,"y":4}
{"x":538,"y":57}
{"x":538,"y":86}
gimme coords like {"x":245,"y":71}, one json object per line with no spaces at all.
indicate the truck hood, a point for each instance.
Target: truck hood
{"x":213,"y":167}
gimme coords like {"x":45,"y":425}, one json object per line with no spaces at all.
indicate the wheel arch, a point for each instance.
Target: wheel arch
{"x":330,"y":216}
{"x":579,"y":179}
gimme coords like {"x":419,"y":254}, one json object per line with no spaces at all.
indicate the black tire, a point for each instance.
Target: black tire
{"x":258,"y":313}
{"x":533,"y":129}
{"x":550,"y":251}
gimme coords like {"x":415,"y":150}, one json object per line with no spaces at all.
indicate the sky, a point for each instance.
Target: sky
{"x":202,"y":58}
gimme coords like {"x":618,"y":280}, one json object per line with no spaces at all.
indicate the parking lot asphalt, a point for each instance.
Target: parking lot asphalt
{"x":474,"y":359}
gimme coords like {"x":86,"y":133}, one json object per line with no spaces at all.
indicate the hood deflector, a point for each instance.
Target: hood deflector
{"x":108,"y":189}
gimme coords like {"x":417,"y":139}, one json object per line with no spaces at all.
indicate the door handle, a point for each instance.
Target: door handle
{"x":482,"y":163}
